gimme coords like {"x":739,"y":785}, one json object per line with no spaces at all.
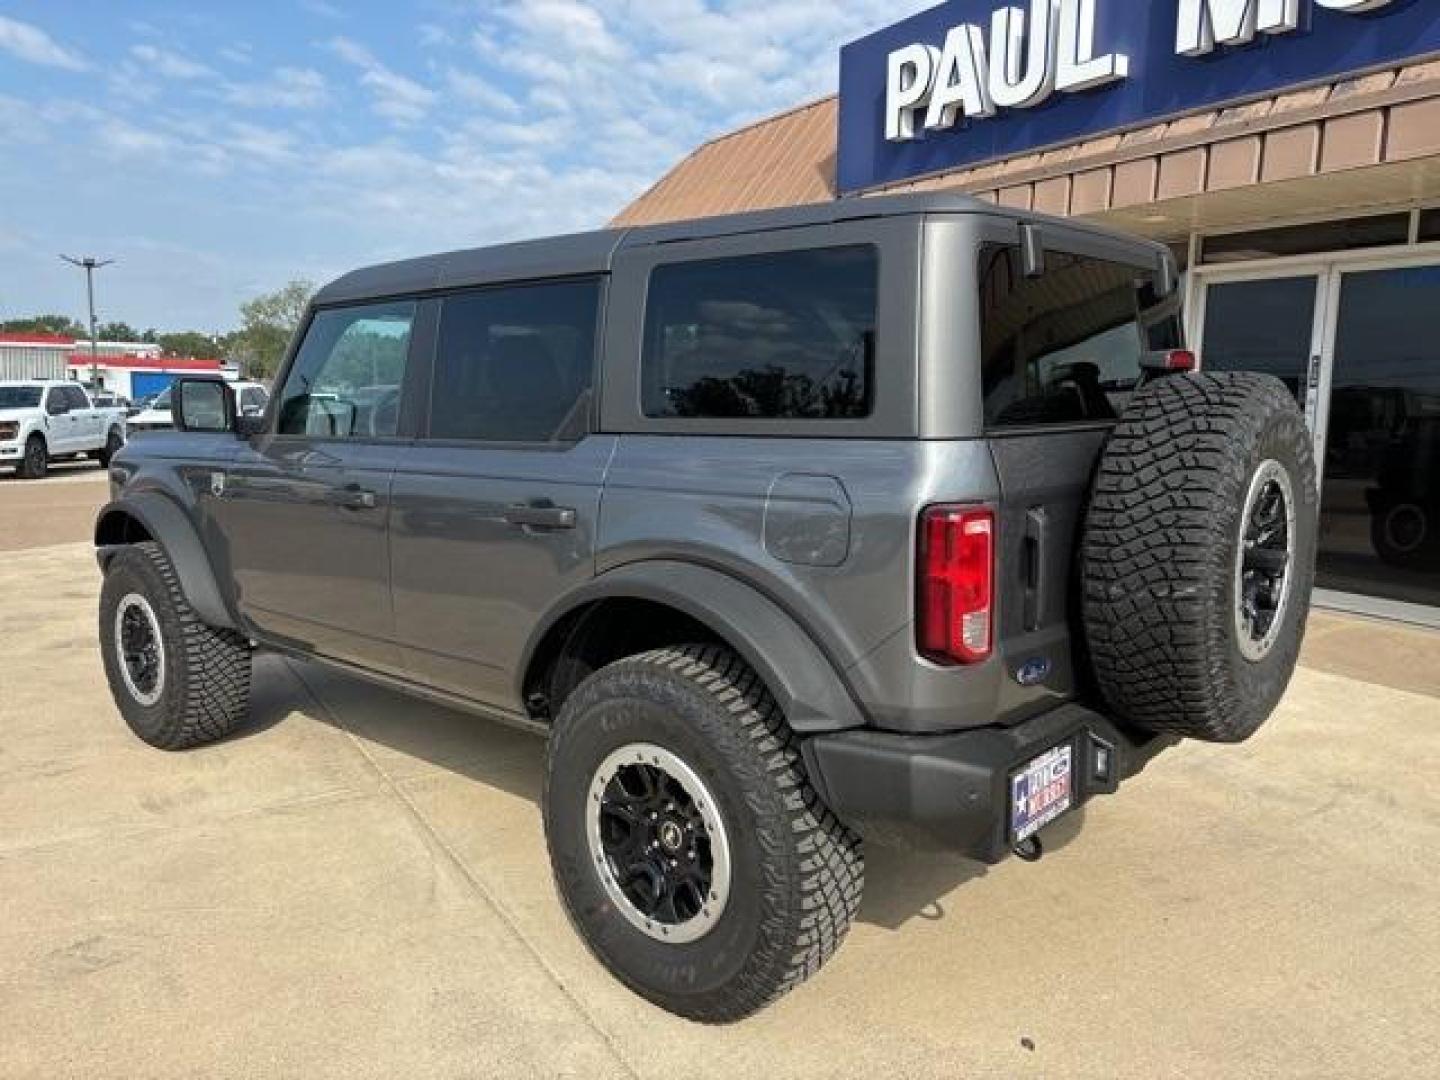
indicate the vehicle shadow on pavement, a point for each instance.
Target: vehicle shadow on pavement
{"x":901,"y":885}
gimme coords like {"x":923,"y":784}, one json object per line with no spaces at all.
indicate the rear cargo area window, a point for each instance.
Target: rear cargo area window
{"x":787,"y":336}
{"x":1065,"y":347}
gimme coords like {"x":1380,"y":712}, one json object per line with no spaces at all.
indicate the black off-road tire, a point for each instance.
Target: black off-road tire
{"x":114,"y":441}
{"x":797,"y":871}
{"x":1159,"y":557}
{"x":36,"y":462}
{"x":204,"y":692}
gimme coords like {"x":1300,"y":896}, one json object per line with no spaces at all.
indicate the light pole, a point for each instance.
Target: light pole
{"x":90,"y":264}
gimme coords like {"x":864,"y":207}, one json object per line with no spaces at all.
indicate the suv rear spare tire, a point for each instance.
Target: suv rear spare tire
{"x":1198,"y":555}
{"x":689,"y":848}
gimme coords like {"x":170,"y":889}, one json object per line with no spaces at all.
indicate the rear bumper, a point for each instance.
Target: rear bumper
{"x":952,"y":792}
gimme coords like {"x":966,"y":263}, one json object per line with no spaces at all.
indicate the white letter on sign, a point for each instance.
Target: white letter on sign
{"x":962,"y":81}
{"x":912,"y":72}
{"x":1079,"y":68}
{"x":1022,"y":76}
{"x":1207,"y":23}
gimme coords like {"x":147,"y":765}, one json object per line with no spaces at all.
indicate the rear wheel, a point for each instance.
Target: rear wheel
{"x":113,"y":443}
{"x":36,"y":462}
{"x":689,"y":848}
{"x":178,"y":682}
{"x":1198,"y":555}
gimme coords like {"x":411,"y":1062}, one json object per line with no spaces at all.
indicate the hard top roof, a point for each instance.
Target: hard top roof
{"x":593,"y":252}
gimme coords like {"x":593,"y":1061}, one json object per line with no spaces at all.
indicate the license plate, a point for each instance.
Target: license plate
{"x":1041,"y":792}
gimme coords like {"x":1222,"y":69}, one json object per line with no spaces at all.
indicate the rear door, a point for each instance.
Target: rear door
{"x":1061,"y":355}
{"x":495,"y":505}
{"x":87,"y":419}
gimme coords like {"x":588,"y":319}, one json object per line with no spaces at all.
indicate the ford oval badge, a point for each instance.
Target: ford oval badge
{"x":1033,"y":672}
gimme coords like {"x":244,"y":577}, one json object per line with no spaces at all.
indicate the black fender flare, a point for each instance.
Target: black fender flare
{"x":172,"y":529}
{"x":804,"y":681}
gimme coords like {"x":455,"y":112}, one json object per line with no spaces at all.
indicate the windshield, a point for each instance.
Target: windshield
{"x":162,"y":401}
{"x":19,"y":397}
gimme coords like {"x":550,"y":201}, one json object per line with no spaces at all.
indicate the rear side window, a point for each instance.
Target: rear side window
{"x":515,"y":364}
{"x":1065,"y":347}
{"x":788,"y":336}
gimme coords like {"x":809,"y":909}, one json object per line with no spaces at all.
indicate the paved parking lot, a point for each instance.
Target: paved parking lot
{"x":356,"y":886}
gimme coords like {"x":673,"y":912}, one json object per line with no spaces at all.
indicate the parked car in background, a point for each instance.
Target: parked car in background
{"x":250,"y":399}
{"x":41,"y":421}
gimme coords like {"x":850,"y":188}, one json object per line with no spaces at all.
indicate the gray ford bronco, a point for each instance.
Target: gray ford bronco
{"x":901,"y":520}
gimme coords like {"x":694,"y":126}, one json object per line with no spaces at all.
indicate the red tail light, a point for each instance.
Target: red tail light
{"x":956,"y":571}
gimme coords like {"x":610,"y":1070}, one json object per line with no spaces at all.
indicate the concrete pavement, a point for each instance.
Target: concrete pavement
{"x":357,"y":886}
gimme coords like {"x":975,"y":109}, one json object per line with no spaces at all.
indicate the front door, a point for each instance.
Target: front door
{"x":304,"y":508}
{"x":495,"y":506}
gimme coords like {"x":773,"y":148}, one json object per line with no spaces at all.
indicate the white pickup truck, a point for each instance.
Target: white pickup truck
{"x":42,"y":420}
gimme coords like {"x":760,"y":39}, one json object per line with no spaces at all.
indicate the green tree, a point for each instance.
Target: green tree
{"x":267,"y":324}
{"x":117,"y":331}
{"x":189,"y":343}
{"x":44,"y":324}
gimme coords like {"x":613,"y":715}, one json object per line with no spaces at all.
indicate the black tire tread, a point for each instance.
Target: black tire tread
{"x":828,"y":856}
{"x":1157,"y":545}
{"x":214,"y":696}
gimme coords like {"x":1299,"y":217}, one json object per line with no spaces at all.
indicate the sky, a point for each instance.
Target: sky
{"x":218,"y":150}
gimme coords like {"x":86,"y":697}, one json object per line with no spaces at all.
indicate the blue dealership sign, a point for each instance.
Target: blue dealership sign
{"x":977,"y":80}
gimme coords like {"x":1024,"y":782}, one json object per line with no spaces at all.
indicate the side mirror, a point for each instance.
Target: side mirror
{"x":202,"y":405}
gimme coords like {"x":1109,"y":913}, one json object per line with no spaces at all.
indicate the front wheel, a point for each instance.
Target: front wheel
{"x":178,"y":682}
{"x":689,"y":848}
{"x":36,"y":462}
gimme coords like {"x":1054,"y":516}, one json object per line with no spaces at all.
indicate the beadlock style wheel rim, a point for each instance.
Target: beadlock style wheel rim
{"x":1264,"y":567}
{"x":140,"y":649}
{"x":658,"y":844}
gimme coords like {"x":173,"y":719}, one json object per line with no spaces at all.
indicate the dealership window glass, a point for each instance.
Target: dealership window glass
{"x":516,"y":364}
{"x":1352,"y":234}
{"x":1065,"y":347}
{"x":1429,"y":225}
{"x":346,"y":380}
{"x":785,"y":336}
{"x":1267,"y":325}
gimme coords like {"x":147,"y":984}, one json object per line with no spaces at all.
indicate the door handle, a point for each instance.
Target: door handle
{"x":1037,"y":525}
{"x":532,"y":516}
{"x":352,"y":497}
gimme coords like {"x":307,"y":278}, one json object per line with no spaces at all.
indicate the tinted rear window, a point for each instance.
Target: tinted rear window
{"x":1065,"y":347}
{"x":788,"y":336}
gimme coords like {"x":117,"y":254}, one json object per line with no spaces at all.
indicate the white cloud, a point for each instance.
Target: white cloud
{"x":170,"y":65}
{"x":323,"y":8}
{"x":396,"y":97}
{"x":286,"y":88}
{"x":34,"y":45}
{"x":474,"y":90}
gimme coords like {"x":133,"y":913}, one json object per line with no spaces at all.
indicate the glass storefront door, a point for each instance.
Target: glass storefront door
{"x":1357,"y":348}
{"x":1380,"y":503}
